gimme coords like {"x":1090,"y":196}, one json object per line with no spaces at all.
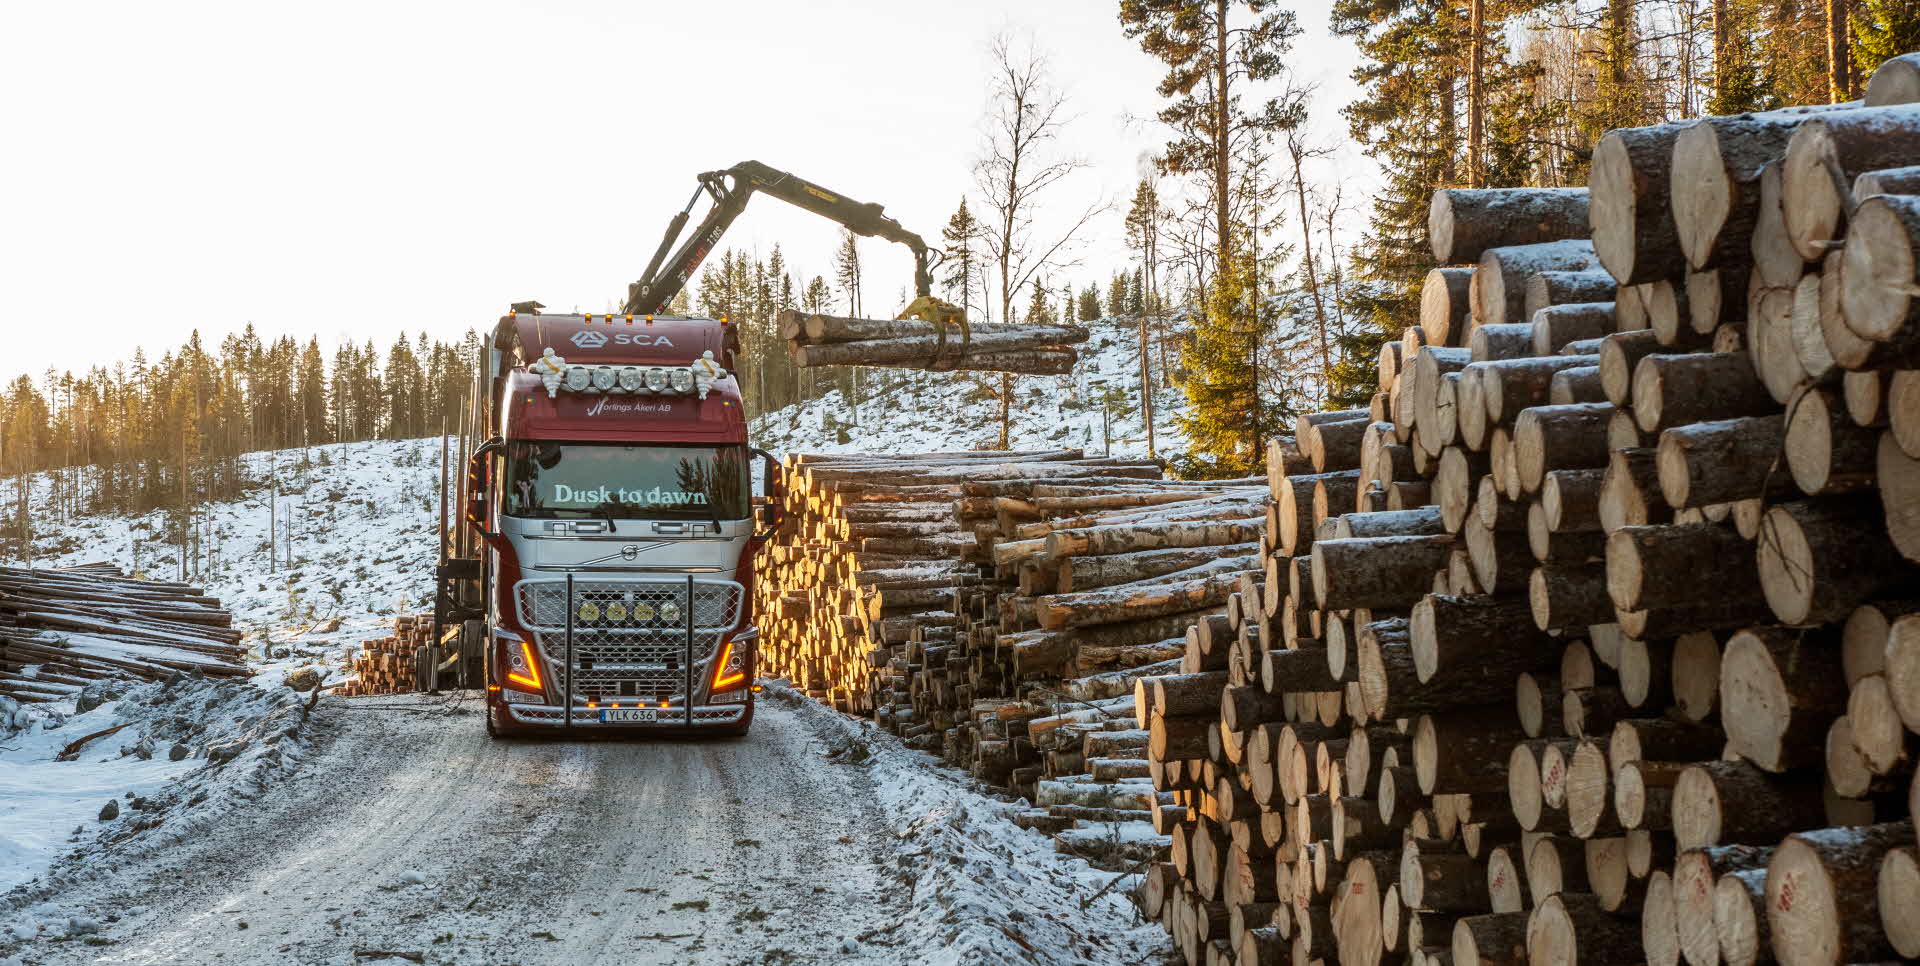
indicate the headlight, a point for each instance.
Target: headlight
{"x":683,"y":380}
{"x":631,"y":380}
{"x":604,"y":378}
{"x":657,"y":379}
{"x":578,"y":378}
{"x":669,"y":612}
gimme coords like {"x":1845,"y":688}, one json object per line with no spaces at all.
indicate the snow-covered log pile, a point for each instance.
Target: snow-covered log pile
{"x":389,"y":664}
{"x":62,"y":628}
{"x":869,"y":556}
{"x":1606,"y":641}
{"x":996,"y":608}
{"x":831,"y":340}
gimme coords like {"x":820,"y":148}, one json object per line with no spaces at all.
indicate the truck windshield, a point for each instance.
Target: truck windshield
{"x":626,"y":482}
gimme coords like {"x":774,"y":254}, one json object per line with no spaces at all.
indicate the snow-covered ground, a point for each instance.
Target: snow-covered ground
{"x":397,"y":830}
{"x":359,"y":520}
{"x":1096,"y":409}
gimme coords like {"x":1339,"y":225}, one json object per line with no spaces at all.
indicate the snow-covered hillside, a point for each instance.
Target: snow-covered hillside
{"x":355,"y":519}
{"x":1096,"y":409}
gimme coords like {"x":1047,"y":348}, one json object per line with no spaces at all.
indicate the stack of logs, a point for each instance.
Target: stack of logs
{"x":1603,"y":642}
{"x":830,"y":340}
{"x":386,"y":665}
{"x":63,"y":628}
{"x":996,"y":608}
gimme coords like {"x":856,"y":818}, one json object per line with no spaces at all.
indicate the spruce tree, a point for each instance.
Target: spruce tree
{"x":1880,"y":29}
{"x":1404,"y":121}
{"x":961,"y":235}
{"x":1089,"y":304}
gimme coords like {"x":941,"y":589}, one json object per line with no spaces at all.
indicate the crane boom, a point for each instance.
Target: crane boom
{"x":730,"y":189}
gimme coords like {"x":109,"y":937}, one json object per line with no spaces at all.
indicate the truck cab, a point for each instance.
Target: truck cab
{"x":600,"y":575}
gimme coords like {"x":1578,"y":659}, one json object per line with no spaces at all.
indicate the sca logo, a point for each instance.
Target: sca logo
{"x":589,"y":339}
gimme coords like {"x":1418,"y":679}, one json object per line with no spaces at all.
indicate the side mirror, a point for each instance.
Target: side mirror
{"x":767,"y":515}
{"x":476,"y":504}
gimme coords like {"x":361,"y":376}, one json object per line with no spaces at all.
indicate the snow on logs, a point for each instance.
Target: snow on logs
{"x":1688,"y":730}
{"x":829,"y":340}
{"x":1005,"y":624}
{"x":62,"y":628}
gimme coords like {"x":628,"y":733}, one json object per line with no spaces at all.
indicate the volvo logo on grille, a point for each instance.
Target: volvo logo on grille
{"x":588,"y":339}
{"x":630,"y":551}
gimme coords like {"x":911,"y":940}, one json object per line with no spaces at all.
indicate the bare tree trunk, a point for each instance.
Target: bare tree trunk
{"x":1306,"y":256}
{"x":1222,"y":103}
{"x":1448,"y":172}
{"x":1146,"y":385}
{"x":1839,"y":72}
{"x":1477,"y":92}
{"x":1721,"y":56}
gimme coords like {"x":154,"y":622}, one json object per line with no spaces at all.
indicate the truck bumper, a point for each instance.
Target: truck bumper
{"x":551,"y":719}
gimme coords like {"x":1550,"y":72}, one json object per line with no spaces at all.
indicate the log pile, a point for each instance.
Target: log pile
{"x":1606,"y":644}
{"x":63,"y":628}
{"x":387,"y":665}
{"x":997,"y":608}
{"x":831,"y":340}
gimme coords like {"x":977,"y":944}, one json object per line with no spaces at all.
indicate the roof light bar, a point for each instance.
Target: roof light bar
{"x":556,"y":374}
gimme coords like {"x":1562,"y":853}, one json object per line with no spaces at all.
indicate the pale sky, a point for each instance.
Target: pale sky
{"x":348,"y":169}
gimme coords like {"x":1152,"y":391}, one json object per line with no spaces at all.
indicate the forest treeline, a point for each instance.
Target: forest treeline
{"x":1259,"y":295}
{"x":151,"y":433}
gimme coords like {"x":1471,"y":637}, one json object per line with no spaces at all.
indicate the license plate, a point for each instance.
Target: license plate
{"x":627,"y":715}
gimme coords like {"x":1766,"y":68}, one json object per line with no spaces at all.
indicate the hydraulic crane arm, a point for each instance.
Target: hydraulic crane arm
{"x":667,"y":274}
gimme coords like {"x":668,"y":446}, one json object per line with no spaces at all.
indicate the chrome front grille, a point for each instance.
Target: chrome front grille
{"x":630,"y":635}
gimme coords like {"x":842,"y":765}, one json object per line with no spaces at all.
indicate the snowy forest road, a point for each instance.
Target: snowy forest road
{"x":413,"y":833}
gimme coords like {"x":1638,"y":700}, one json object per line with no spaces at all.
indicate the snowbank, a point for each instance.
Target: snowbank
{"x":981,"y":889}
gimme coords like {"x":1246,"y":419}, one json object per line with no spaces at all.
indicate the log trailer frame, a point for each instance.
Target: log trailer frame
{"x":597,"y":574}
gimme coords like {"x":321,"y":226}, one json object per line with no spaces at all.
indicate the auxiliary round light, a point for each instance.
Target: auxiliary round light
{"x":578,"y":379}
{"x":616,"y":611}
{"x":589,"y":611}
{"x":642,"y":611}
{"x":669,"y":612}
{"x":683,"y":380}
{"x":604,"y":378}
{"x":631,"y":380}
{"x":657,"y":379}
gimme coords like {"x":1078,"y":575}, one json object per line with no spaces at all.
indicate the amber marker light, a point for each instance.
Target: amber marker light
{"x":721,"y":678}
{"x":533,"y":668}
